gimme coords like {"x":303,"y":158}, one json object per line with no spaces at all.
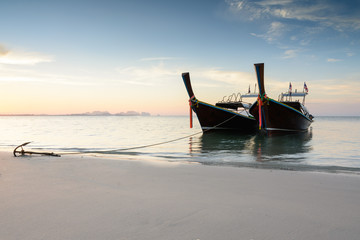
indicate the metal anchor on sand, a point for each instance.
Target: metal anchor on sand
{"x":19,"y":151}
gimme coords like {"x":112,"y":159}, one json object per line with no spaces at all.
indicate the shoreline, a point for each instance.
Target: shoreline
{"x":255,"y":165}
{"x":83,"y":197}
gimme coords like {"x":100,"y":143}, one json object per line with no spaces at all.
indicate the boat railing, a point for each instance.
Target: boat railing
{"x":288,"y":96}
{"x":235,"y":102}
{"x":235,"y":97}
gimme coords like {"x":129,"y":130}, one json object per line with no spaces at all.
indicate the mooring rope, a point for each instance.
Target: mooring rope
{"x":148,"y":145}
{"x":131,"y":148}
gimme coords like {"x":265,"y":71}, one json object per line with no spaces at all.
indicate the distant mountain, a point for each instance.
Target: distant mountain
{"x":94,"y":113}
{"x":97,"y":113}
{"x":105,"y":113}
{"x":132,"y":113}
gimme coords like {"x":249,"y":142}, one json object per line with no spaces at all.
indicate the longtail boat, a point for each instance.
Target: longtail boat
{"x":283,"y":116}
{"x":224,"y":115}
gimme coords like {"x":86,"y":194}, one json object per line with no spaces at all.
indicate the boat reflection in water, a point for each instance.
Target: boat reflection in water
{"x":289,"y":148}
{"x":284,"y":152}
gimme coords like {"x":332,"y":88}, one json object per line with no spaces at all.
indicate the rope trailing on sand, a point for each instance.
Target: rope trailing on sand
{"x":153,"y":144}
{"x":130,"y":148}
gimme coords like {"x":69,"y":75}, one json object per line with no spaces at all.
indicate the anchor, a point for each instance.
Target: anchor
{"x":21,"y":152}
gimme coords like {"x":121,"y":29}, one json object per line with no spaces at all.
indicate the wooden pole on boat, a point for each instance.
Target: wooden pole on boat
{"x":187,"y":82}
{"x":259,"y":68}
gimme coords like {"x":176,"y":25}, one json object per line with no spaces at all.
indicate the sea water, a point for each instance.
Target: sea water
{"x":331,"y":144}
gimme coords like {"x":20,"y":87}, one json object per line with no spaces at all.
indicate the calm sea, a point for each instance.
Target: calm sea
{"x":332,"y":143}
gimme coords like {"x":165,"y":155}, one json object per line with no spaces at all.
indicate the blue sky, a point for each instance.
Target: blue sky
{"x":78,"y":56}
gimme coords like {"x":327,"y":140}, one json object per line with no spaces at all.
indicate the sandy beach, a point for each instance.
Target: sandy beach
{"x":79,"y":197}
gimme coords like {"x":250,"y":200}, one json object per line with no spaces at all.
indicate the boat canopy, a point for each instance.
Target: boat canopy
{"x":287,"y":97}
{"x":295,"y":94}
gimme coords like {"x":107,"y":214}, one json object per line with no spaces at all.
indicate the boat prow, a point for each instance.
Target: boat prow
{"x":212,"y":117}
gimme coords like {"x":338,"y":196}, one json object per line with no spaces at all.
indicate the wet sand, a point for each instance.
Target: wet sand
{"x":79,"y":197}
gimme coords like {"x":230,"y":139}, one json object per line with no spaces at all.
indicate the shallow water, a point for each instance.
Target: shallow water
{"x":332,"y":143}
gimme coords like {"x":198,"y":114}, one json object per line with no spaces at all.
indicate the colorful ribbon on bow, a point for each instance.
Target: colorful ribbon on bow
{"x":261,"y":100}
{"x":190,"y":105}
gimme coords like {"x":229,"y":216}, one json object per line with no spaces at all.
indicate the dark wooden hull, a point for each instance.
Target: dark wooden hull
{"x":278,"y":117}
{"x":213,"y":118}
{"x":216,"y":118}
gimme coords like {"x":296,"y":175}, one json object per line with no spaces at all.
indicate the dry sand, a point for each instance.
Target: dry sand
{"x":93,"y":198}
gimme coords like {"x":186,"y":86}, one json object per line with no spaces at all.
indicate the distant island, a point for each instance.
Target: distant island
{"x":105,"y":113}
{"x":94,"y":113}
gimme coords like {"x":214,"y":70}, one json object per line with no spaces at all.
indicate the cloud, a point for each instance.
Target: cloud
{"x":291,"y":53}
{"x":146,"y":75}
{"x":229,"y":77}
{"x":3,"y":50}
{"x":264,"y":8}
{"x":302,"y":19}
{"x":152,"y":74}
{"x":335,"y":90}
{"x":335,"y":14}
{"x":22,"y":58}
{"x":156,"y":59}
{"x":18,"y":75}
{"x":275,"y":31}
{"x":333,"y":60}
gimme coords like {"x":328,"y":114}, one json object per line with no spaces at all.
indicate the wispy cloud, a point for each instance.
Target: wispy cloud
{"x":276,"y":30}
{"x":291,"y":53}
{"x":156,"y":59}
{"x":324,"y":12}
{"x":3,"y":50}
{"x":22,"y":58}
{"x":145,"y":75}
{"x":15,"y":74}
{"x":298,"y":21}
{"x":152,"y":74}
{"x":333,"y":60}
{"x":336,"y":89}
{"x":229,"y":77}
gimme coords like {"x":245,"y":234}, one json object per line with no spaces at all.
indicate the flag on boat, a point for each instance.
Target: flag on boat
{"x":306,"y":88}
{"x":290,"y":87}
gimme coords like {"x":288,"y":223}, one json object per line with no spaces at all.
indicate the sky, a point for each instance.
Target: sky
{"x":64,"y":57}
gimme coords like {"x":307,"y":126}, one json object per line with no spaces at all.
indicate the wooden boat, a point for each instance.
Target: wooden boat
{"x":283,"y":116}
{"x":225,"y":115}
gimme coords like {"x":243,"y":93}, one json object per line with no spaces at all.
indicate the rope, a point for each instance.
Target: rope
{"x":149,"y":145}
{"x":132,"y":148}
